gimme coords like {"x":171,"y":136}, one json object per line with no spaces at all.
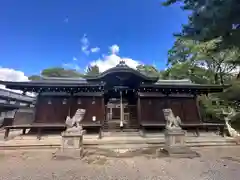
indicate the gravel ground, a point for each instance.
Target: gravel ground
{"x":214,"y":164}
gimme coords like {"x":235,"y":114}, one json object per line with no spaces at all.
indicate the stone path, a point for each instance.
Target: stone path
{"x":215,"y":163}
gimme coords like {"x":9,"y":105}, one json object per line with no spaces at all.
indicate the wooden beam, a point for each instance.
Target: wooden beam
{"x":150,"y":94}
{"x":73,"y":94}
{"x":158,"y":94}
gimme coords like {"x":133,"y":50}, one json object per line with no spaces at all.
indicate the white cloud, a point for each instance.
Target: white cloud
{"x":84,"y":40}
{"x":75,"y":59}
{"x":7,"y":74}
{"x":114,"y":49}
{"x":85,"y":44}
{"x":95,"y":49}
{"x":107,"y":62}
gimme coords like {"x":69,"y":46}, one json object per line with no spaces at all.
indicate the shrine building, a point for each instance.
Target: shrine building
{"x":119,"y":98}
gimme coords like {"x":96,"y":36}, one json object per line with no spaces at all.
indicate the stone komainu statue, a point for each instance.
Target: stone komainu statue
{"x":172,"y":122}
{"x":228,"y":115}
{"x":73,"y":124}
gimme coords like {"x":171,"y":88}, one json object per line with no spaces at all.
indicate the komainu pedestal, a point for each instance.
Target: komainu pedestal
{"x":175,"y":145}
{"x":72,"y":142}
{"x":175,"y":137}
{"x":72,"y":138}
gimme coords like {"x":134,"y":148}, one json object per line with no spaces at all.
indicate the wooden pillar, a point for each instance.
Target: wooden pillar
{"x":198,"y":108}
{"x":104,"y":111}
{"x":182,"y":110}
{"x":36,"y":106}
{"x":167,"y":101}
{"x":121,"y":110}
{"x":70,"y":114}
{"x":139,"y":114}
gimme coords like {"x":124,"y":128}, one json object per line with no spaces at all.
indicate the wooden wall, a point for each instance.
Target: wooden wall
{"x":151,"y":109}
{"x":92,"y":109}
{"x":56,"y":112}
{"x":184,"y":107}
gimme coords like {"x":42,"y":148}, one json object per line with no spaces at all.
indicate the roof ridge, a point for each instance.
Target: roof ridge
{"x":62,"y":78}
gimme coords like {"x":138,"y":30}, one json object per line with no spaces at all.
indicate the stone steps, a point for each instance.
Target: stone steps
{"x":125,"y":133}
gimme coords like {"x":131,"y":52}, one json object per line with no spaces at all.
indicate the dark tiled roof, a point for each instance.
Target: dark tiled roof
{"x":60,"y":80}
{"x":175,"y":82}
{"x":4,"y":93}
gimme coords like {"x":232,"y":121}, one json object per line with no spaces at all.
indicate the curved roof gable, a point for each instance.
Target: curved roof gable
{"x":123,"y":68}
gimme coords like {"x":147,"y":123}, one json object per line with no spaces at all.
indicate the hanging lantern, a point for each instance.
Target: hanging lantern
{"x":79,"y":101}
{"x":149,"y":102}
{"x":65,"y":101}
{"x":49,"y":101}
{"x":93,"y":101}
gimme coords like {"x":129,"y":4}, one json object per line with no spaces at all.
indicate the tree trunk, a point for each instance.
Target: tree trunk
{"x":238,"y":76}
{"x":216,"y":78}
{"x":221,"y":78}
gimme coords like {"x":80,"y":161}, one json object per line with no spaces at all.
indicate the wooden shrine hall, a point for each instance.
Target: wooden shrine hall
{"x":119,"y":98}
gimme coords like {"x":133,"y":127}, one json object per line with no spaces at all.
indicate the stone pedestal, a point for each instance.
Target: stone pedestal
{"x":175,"y":144}
{"x":72,"y":142}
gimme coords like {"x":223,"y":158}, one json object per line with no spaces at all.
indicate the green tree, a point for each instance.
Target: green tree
{"x":210,"y":19}
{"x":60,"y":72}
{"x":218,"y":63}
{"x":56,"y":72}
{"x":34,"y":77}
{"x":204,"y":62}
{"x":181,"y":51}
{"x":148,"y":70}
{"x":232,"y":95}
{"x":93,"y":70}
{"x":186,"y":70}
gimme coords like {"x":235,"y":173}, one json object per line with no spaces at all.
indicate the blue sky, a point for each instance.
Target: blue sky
{"x":37,"y":34}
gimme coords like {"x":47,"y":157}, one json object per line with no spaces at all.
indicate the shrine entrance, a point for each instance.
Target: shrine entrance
{"x":121,"y":110}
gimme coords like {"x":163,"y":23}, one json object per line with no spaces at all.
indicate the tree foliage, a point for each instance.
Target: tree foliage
{"x":34,"y":77}
{"x":218,"y":64}
{"x":210,"y":19}
{"x":148,"y":70}
{"x":207,"y":50}
{"x":92,"y":70}
{"x":187,"y":70}
{"x":60,"y":72}
{"x":56,"y":72}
